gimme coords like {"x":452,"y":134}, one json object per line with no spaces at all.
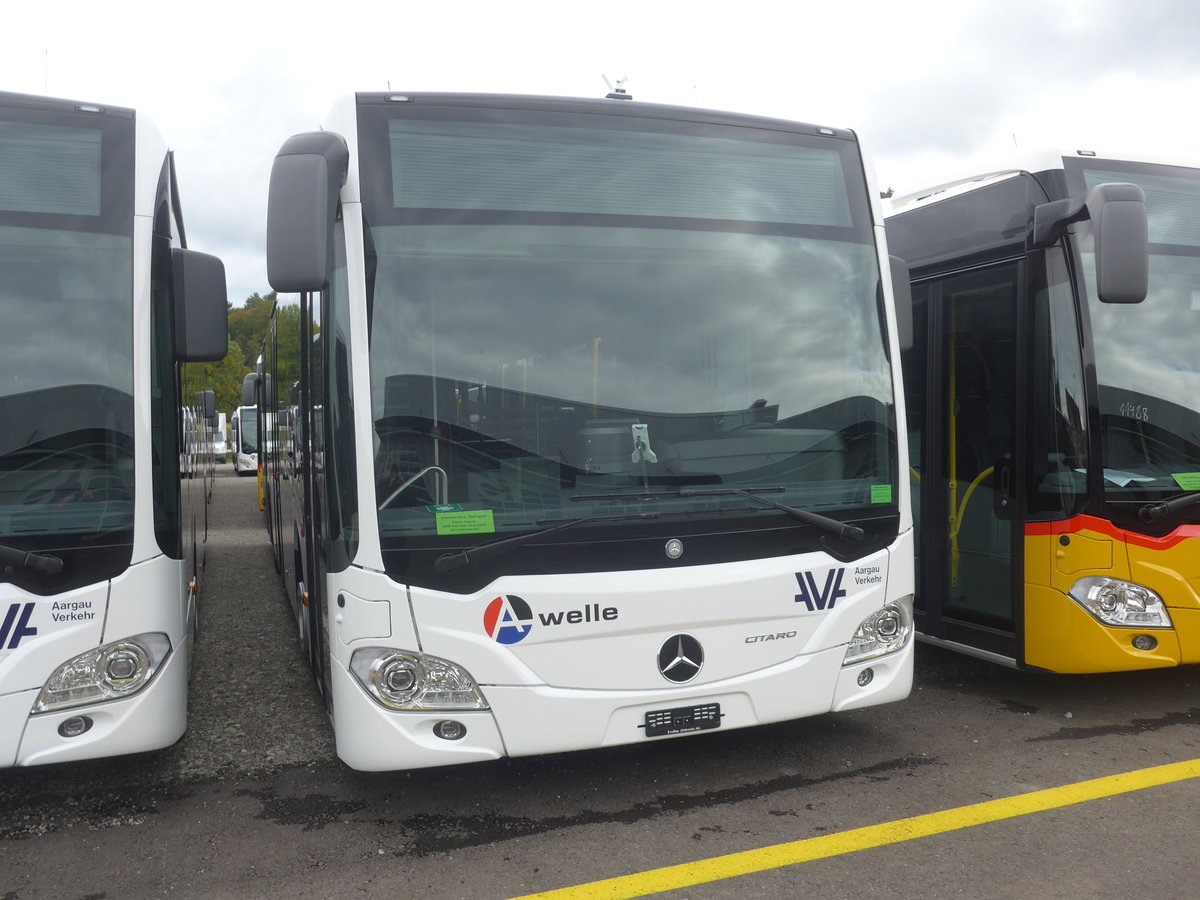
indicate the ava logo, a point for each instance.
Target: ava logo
{"x":15,"y":625}
{"x":815,"y":598}
{"x":508,"y":619}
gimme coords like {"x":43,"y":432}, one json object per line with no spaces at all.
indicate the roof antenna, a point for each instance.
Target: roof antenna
{"x":618,"y":92}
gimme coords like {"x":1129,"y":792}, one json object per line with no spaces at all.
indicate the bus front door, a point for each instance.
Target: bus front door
{"x":961,"y":379}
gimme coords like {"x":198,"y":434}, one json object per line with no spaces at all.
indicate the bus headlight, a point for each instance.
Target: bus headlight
{"x":1121,"y":603}
{"x":400,"y":680}
{"x":882,"y":632}
{"x":110,"y":672}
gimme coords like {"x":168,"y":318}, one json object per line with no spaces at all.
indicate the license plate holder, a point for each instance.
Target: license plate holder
{"x":682,"y":719}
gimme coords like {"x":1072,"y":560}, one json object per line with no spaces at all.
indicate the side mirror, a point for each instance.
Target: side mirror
{"x":902,"y":297}
{"x":306,"y":178}
{"x":207,"y":402}
{"x":250,"y":389}
{"x":268,"y":391}
{"x":201,"y":307}
{"x":1120,"y":231}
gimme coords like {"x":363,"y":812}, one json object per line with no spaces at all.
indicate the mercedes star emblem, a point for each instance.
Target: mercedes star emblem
{"x":680,"y":658}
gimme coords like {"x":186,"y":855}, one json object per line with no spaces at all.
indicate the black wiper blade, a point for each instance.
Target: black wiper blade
{"x":841,"y":529}
{"x":1152,"y":512}
{"x":12,"y":558}
{"x":472,"y":556}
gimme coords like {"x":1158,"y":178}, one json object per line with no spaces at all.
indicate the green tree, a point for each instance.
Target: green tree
{"x":248,"y":325}
{"x":287,"y":346}
{"x":223,"y":377}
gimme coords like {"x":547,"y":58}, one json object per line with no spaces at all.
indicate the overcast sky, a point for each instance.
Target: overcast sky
{"x":937,"y":89}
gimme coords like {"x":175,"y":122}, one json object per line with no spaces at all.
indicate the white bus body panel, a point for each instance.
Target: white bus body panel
{"x":245,"y":462}
{"x":149,"y":597}
{"x":589,"y":681}
{"x":151,"y":152}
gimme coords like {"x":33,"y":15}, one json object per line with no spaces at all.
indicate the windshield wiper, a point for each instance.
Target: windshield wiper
{"x":448,"y":562}
{"x":472,"y":556}
{"x":1152,"y":512}
{"x":841,"y":529}
{"x":12,"y":558}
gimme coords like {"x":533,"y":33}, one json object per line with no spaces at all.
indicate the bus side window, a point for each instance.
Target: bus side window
{"x":1058,"y":461}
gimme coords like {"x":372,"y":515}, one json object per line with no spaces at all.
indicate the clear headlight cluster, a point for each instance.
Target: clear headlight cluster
{"x":884,"y":631}
{"x":1121,"y":603}
{"x":109,"y":672}
{"x":407,"y":681}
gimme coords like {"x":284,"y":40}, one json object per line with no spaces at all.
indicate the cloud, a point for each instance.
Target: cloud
{"x":1033,"y":73}
{"x":935,"y":86}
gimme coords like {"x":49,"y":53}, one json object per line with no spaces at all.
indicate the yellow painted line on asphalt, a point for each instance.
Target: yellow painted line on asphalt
{"x":747,"y":862}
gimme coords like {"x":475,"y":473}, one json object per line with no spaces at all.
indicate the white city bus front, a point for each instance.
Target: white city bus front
{"x":601,"y":426}
{"x":99,"y":551}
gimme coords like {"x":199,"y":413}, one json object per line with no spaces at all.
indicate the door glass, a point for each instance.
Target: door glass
{"x":978,"y":312}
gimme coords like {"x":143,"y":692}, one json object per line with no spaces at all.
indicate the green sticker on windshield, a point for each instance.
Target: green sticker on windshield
{"x":1189,"y":481}
{"x":881,"y":493}
{"x":471,"y":521}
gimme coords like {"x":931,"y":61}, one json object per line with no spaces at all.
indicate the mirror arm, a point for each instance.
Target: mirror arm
{"x":1050,"y":220}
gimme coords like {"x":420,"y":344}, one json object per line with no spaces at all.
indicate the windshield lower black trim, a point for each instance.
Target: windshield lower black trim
{"x":83,"y":562}
{"x":637,"y":546}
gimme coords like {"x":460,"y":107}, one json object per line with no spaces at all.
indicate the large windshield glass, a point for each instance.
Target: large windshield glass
{"x":583,"y":318}
{"x":1147,"y":364}
{"x":248,"y":429}
{"x":66,"y":370}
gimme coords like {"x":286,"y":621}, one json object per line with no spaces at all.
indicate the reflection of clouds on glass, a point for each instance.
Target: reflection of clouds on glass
{"x":496,"y":165}
{"x":1172,"y":204}
{"x":1151,"y":347}
{"x":666,"y":321}
{"x":66,"y":309}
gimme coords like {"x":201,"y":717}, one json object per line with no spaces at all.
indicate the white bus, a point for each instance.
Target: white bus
{"x":244,"y":440}
{"x":221,"y":440}
{"x":101,"y":541}
{"x":197,"y":450}
{"x":597,"y":437}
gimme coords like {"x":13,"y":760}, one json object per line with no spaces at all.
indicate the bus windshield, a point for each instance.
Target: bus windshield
{"x":572,"y":318}
{"x":1146,"y":360}
{"x":248,"y":429}
{"x":66,"y":355}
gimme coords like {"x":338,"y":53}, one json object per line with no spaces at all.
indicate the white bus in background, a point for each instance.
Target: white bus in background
{"x":598,"y":433}
{"x":197,"y":450}
{"x":243,"y":438}
{"x":101,"y":541}
{"x":221,"y":440}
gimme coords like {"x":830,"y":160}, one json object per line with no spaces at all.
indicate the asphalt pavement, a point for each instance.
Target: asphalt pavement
{"x":253,"y":801}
